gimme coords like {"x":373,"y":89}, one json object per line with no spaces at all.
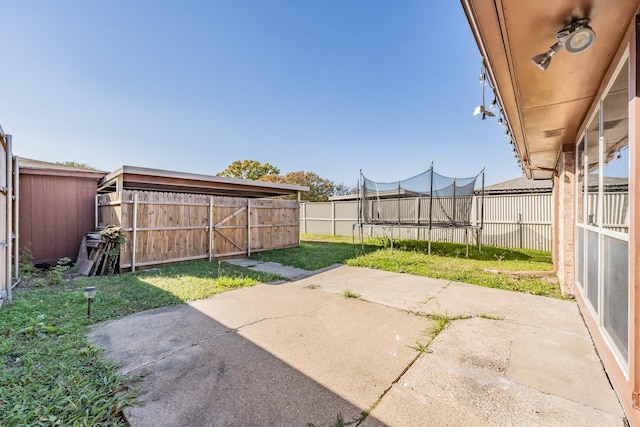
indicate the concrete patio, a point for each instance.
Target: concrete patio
{"x":299,"y":353}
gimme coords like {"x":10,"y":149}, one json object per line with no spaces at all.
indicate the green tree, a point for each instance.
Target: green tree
{"x":249,"y":169}
{"x":343,"y":189}
{"x":320,"y":189}
{"x":77,"y":165}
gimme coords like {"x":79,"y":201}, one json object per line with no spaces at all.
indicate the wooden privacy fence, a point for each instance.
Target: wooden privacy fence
{"x":173,"y":227}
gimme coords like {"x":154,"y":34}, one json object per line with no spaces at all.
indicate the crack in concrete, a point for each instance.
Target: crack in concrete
{"x":442,"y":289}
{"x":365,"y":414}
{"x":549,"y":327}
{"x":212,"y":337}
{"x":422,"y":351}
{"x":304,"y":313}
{"x":568,"y":399}
{"x":175,"y":350}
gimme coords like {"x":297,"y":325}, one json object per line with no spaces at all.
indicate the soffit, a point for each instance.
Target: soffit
{"x":546,"y":109}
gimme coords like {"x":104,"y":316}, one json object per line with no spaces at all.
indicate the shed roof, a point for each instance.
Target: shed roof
{"x":139,"y":178}
{"x":39,"y":167}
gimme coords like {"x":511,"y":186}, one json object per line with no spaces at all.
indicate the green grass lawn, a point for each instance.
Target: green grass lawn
{"x":49,"y":372}
{"x":316,"y":252}
{"x":447,"y":261}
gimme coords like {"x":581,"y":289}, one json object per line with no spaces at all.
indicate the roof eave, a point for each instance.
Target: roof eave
{"x":147,"y":179}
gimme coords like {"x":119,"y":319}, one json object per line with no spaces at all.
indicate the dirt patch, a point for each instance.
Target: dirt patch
{"x":42,"y":278}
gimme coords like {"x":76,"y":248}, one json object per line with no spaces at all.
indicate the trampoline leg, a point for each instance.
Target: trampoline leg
{"x":391,"y":232}
{"x":466,"y":240}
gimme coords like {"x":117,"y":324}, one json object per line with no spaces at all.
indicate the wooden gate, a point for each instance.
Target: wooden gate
{"x":172,"y":227}
{"x":230,"y":235}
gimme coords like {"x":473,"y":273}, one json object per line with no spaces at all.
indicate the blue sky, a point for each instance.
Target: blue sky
{"x":324,"y":86}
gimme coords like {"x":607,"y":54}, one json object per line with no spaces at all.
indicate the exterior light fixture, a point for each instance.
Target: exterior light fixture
{"x":543,"y":60}
{"x":89,"y":293}
{"x":576,"y":37}
{"x":480,"y":108}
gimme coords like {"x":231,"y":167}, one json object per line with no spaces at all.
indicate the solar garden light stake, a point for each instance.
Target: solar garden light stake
{"x":89,"y":293}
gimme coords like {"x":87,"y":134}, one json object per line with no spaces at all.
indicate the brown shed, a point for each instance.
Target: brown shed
{"x":56,"y":208}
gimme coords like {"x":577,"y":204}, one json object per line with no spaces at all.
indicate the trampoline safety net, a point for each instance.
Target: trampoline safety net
{"x":427,"y":199}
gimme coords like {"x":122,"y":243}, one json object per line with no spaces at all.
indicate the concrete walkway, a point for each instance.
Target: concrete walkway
{"x":289,"y":273}
{"x":299,"y":353}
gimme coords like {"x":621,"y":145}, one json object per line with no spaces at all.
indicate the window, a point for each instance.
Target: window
{"x":580,"y":192}
{"x":615,"y":106}
{"x":592,"y":161}
{"x":602,"y":220}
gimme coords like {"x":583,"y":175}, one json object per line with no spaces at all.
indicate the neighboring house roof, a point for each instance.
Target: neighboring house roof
{"x":520,"y":185}
{"x":611,"y":183}
{"x":343,"y":198}
{"x":525,"y":185}
{"x":138,"y":178}
{"x":39,"y":167}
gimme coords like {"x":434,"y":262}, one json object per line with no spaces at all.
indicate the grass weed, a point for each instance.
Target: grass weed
{"x":338,"y":423}
{"x":349,"y":294}
{"x":440,"y":323}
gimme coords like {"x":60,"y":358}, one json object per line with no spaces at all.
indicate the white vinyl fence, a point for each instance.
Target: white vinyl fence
{"x":510,"y":221}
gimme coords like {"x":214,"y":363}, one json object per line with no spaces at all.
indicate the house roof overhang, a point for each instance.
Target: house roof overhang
{"x":138,"y":178}
{"x":545,"y":111}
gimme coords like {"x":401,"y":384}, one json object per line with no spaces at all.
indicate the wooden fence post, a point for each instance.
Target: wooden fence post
{"x":135,"y":226}
{"x":210,"y":228}
{"x":248,"y":227}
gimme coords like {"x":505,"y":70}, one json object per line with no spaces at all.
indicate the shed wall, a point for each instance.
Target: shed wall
{"x":55,"y":213}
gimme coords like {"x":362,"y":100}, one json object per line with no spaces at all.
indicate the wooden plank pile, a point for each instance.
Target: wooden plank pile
{"x":95,"y":255}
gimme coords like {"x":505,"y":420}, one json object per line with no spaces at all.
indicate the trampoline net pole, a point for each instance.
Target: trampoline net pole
{"x":450,"y":205}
